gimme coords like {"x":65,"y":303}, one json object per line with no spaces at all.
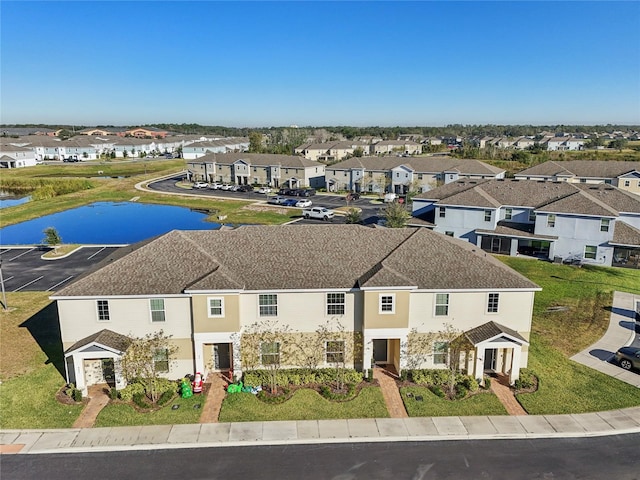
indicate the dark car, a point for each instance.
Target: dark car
{"x":352,"y":196}
{"x":286,"y":191}
{"x":244,"y":188}
{"x":289,"y":202}
{"x":306,"y":192}
{"x":628,"y":357}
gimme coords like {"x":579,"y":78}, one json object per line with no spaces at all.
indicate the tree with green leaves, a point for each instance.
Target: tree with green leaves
{"x":146,"y":359}
{"x":52,"y":238}
{"x":396,"y":215}
{"x":358,"y":152}
{"x":453,"y":344}
{"x":255,"y":142}
{"x":353,"y":215}
{"x":340,"y":346}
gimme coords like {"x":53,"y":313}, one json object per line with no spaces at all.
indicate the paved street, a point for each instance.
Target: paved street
{"x":24,"y":269}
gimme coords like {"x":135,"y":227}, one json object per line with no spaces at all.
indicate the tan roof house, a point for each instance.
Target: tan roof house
{"x":379,"y":284}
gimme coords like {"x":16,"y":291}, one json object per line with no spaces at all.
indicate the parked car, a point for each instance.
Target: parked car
{"x":70,"y":159}
{"x":289,"y":202}
{"x":352,"y":196}
{"x":215,"y":186}
{"x":276,"y":200}
{"x":303,"y":203}
{"x":286,"y":191}
{"x":244,"y":188}
{"x":225,"y":186}
{"x":319,"y":213}
{"x":200,"y":185}
{"x":389,"y":197}
{"x":264,"y":190}
{"x":628,"y":357}
{"x":306,"y":192}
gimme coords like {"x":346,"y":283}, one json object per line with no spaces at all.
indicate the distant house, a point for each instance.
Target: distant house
{"x":586,"y":223}
{"x":191,"y":151}
{"x":523,"y":143}
{"x":143,"y":132}
{"x":103,"y":131}
{"x":331,"y":151}
{"x":565,"y":144}
{"x":289,"y":171}
{"x":624,"y":175}
{"x":403,"y":174}
{"x":406,"y":147}
{"x":12,"y":156}
{"x":383,"y":287}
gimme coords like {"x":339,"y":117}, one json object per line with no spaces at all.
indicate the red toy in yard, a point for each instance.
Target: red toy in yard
{"x":197,"y":383}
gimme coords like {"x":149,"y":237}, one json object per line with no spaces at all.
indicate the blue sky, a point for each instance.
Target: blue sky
{"x":320,"y":63}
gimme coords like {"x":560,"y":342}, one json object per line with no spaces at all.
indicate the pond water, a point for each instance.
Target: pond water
{"x":108,"y":223}
{"x":6,"y":202}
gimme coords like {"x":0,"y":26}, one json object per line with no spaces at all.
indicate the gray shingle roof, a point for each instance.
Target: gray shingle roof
{"x":582,"y":168}
{"x":490,"y":330}
{"x":291,"y":161}
{"x":436,"y":164}
{"x":104,"y":337}
{"x":625,"y":234}
{"x":297,"y":257}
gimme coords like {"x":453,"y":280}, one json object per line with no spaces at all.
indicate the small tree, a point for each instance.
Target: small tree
{"x":340,"y":346}
{"x":264,"y":344}
{"x":52,"y":238}
{"x":146,"y":359}
{"x":455,"y":345}
{"x":396,"y":215}
{"x":353,"y":215}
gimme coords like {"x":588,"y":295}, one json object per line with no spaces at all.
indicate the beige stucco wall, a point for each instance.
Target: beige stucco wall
{"x":374,"y":319}
{"x":202,"y":323}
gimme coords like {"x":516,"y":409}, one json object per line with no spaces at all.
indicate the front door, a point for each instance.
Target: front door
{"x":380,"y":351}
{"x":490,"y":359}
{"x":108,"y":372}
{"x":221,"y":356}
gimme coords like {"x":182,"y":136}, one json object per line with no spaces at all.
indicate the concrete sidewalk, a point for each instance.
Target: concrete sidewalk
{"x":621,"y":332}
{"x":363,"y":430}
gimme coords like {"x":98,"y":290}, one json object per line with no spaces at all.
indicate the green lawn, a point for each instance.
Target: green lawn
{"x":485,"y":403}
{"x":305,"y":404}
{"x":587,"y":292}
{"x":121,"y":415}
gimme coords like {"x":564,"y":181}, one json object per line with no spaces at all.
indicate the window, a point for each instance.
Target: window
{"x":442,"y":211}
{"x":103,"y":311}
{"x":627,"y":183}
{"x":216,"y":307}
{"x":532,"y":215}
{"x":440,"y":352}
{"x":270,"y":353}
{"x":387,"y":303}
{"x":157,"y":309}
{"x":583,"y":180}
{"x":334,"y":351}
{"x":508,"y":213}
{"x":161,"y":360}
{"x":442,"y":304}
{"x":487,"y":215}
{"x":551,"y":221}
{"x":268,"y":305}
{"x":419,"y":176}
{"x":590,"y":251}
{"x":335,"y":303}
{"x":492,"y":303}
{"x":449,"y":234}
{"x":604,"y":224}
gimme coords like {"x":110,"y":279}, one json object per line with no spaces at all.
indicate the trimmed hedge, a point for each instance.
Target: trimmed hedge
{"x":299,"y":376}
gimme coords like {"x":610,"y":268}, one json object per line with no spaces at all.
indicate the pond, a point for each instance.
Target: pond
{"x":6,"y":202}
{"x":108,"y":223}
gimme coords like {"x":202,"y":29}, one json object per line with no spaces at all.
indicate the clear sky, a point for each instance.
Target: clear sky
{"x":249,"y":64}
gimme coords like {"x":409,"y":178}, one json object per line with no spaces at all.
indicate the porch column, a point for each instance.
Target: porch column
{"x":236,"y":358}
{"x":199,"y":361}
{"x":514,"y":247}
{"x":78,"y":365}
{"x":479,"y":370}
{"x":515,"y":364}
{"x":479,"y":240}
{"x":367,"y":357}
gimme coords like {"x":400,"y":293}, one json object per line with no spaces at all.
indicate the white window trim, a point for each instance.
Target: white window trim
{"x":164,"y":309}
{"x":436,"y":304}
{"x":595,"y":254}
{"x":344,"y":305}
{"x":487,"y":309}
{"x":326,"y":351}
{"x":276,"y":305}
{"x":98,"y":311}
{"x":393,"y":303}
{"x":209,"y":307}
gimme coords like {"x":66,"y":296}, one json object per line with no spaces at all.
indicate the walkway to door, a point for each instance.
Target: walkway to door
{"x":98,"y":399}
{"x":500,"y":386}
{"x":392,"y":399}
{"x":215,"y":388}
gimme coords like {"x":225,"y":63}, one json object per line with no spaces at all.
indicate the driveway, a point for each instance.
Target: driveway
{"x":24,"y":269}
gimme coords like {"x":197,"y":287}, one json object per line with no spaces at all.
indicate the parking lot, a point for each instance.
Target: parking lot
{"x":24,"y":269}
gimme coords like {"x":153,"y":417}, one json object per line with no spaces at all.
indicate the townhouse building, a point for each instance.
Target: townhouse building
{"x":595,"y":224}
{"x":332,"y":151}
{"x":385,"y":286}
{"x":402,"y":174}
{"x":405,"y":147}
{"x":12,"y":156}
{"x":258,"y":169}
{"x":624,"y":175}
{"x":197,"y":149}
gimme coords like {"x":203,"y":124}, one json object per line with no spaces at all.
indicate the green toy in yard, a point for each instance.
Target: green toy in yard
{"x":185,"y":389}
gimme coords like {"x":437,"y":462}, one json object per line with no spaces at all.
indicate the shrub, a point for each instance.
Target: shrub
{"x":76,"y":395}
{"x":329,"y":394}
{"x":140,"y":400}
{"x":127,"y":393}
{"x":461,"y":391}
{"x":430,"y":376}
{"x":527,"y":380}
{"x":166,"y":397}
{"x":274,"y":399}
{"x":370,"y":375}
{"x":437,"y":391}
{"x":300,"y":376}
{"x":113,"y":393}
{"x":487,"y":383}
{"x":470,"y":383}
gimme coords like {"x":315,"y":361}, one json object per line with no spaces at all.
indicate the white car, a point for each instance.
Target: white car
{"x":225,"y":186}
{"x":200,"y":185}
{"x":264,"y":190}
{"x":214,"y":186}
{"x":303,"y":203}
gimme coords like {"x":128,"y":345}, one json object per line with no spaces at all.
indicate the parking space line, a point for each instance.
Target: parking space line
{"x":96,"y":253}
{"x":9,"y":278}
{"x":24,"y":253}
{"x":60,"y":283}
{"x":27,"y":284}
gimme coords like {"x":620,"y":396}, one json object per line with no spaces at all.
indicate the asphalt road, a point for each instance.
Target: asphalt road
{"x":614,"y":457}
{"x":370,"y":211}
{"x":23,"y":269}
